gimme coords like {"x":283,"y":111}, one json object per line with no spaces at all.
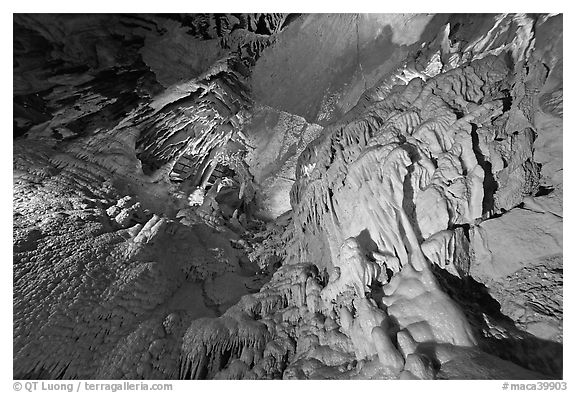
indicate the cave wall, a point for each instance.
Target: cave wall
{"x":322,"y":63}
{"x":394,"y":211}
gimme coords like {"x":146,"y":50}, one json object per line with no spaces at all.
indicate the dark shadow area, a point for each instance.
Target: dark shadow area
{"x":531,"y":352}
{"x":366,"y":243}
{"x":490,"y":184}
{"x":544,"y":190}
{"x":511,"y":343}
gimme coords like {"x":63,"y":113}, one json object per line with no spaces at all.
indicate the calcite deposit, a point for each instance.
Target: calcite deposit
{"x":288,"y":196}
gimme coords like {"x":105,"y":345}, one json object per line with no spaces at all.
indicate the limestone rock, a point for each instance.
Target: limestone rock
{"x":272,"y":196}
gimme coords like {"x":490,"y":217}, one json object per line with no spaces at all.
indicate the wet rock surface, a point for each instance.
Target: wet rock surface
{"x":307,"y":197}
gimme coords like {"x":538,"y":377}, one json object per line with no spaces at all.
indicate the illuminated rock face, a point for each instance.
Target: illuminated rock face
{"x":266,"y":210}
{"x":407,"y":167}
